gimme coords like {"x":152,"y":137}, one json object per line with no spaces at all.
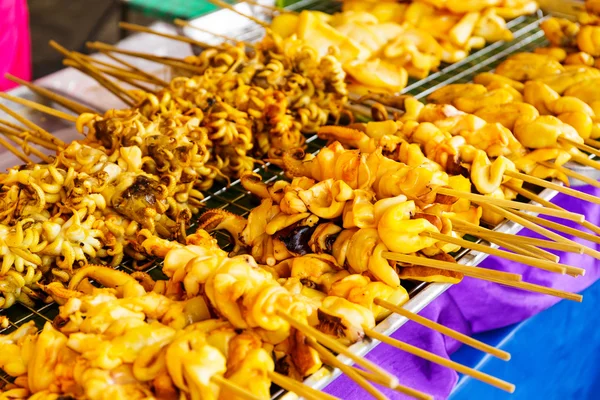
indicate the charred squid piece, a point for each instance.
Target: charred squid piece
{"x":296,"y":237}
{"x":144,"y":279}
{"x":295,"y":358}
{"x":59,"y":293}
{"x":253,"y":183}
{"x":125,"y":284}
{"x":217,"y":219}
{"x":344,"y":320}
{"x":144,"y":201}
{"x":391,"y":100}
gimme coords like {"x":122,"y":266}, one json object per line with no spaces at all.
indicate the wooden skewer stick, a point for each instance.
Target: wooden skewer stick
{"x":592,"y":142}
{"x":548,"y":244}
{"x":292,"y":385}
{"x":501,"y":354}
{"x":182,"y":23}
{"x":233,"y":388}
{"x":139,"y":71}
{"x":582,"y":147}
{"x":542,"y":231}
{"x":475,"y":272}
{"x":112,"y":67}
{"x":551,"y":185}
{"x":332,"y":344}
{"x":27,"y":149}
{"x":174,"y":63}
{"x":534,"y":197}
{"x":39,"y":107}
{"x":37,"y":130}
{"x":114,"y":73}
{"x":27,"y":137}
{"x":571,"y":173}
{"x":93,"y":72}
{"x":526,"y":250}
{"x":179,"y":38}
{"x":400,"y":388}
{"x":512,"y":204}
{"x":534,"y":262}
{"x":463,"y":369}
{"x":583,"y":160}
{"x":11,"y":125}
{"x":268,"y":7}
{"x":352,"y":373}
{"x":530,"y":287}
{"x":118,"y":91}
{"x":222,"y":4}
{"x":560,"y":228}
{"x":15,"y":151}
{"x":63,"y":101}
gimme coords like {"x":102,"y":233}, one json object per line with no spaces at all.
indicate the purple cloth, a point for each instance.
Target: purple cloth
{"x":475,"y":306}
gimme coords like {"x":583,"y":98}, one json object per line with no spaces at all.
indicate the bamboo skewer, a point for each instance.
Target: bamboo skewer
{"x":27,"y":137}
{"x":426,"y":355}
{"x":292,"y":385}
{"x":63,"y":101}
{"x":39,"y":107}
{"x":233,"y":388}
{"x":175,"y":63}
{"x":114,"y":73}
{"x":553,"y":186}
{"x":116,"y":69}
{"x":542,"y":231}
{"x":352,"y":373}
{"x":586,"y":161}
{"x":512,"y":204}
{"x":139,"y":28}
{"x":400,"y":388}
{"x":571,"y":173}
{"x":534,"y":262}
{"x":268,"y":7}
{"x":93,"y":72}
{"x":13,"y":126}
{"x":139,"y":71}
{"x":530,"y":287}
{"x":582,"y":147}
{"x":534,"y":197}
{"x":118,"y":91}
{"x":26,"y":148}
{"x":41,"y":133}
{"x":330,"y":343}
{"x":468,"y":227}
{"x":475,"y":272}
{"x":222,"y":4}
{"x":560,"y":227}
{"x":526,"y":250}
{"x":182,"y":23}
{"x":501,"y":354}
{"x":15,"y":151}
{"x":592,"y":142}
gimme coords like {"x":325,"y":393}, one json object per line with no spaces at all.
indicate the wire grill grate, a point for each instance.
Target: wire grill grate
{"x":235,"y":199}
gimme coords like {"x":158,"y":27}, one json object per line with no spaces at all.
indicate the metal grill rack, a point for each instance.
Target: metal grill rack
{"x":235,"y":199}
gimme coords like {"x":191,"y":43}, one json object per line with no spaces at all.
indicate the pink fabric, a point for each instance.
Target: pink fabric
{"x":15,"y":42}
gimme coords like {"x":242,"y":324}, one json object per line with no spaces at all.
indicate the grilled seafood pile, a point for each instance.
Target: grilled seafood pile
{"x":281,"y":89}
{"x":135,"y":340}
{"x":380,"y":45}
{"x":575,"y":42}
{"x":126,"y":343}
{"x":148,"y":167}
{"x":343,"y":228}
